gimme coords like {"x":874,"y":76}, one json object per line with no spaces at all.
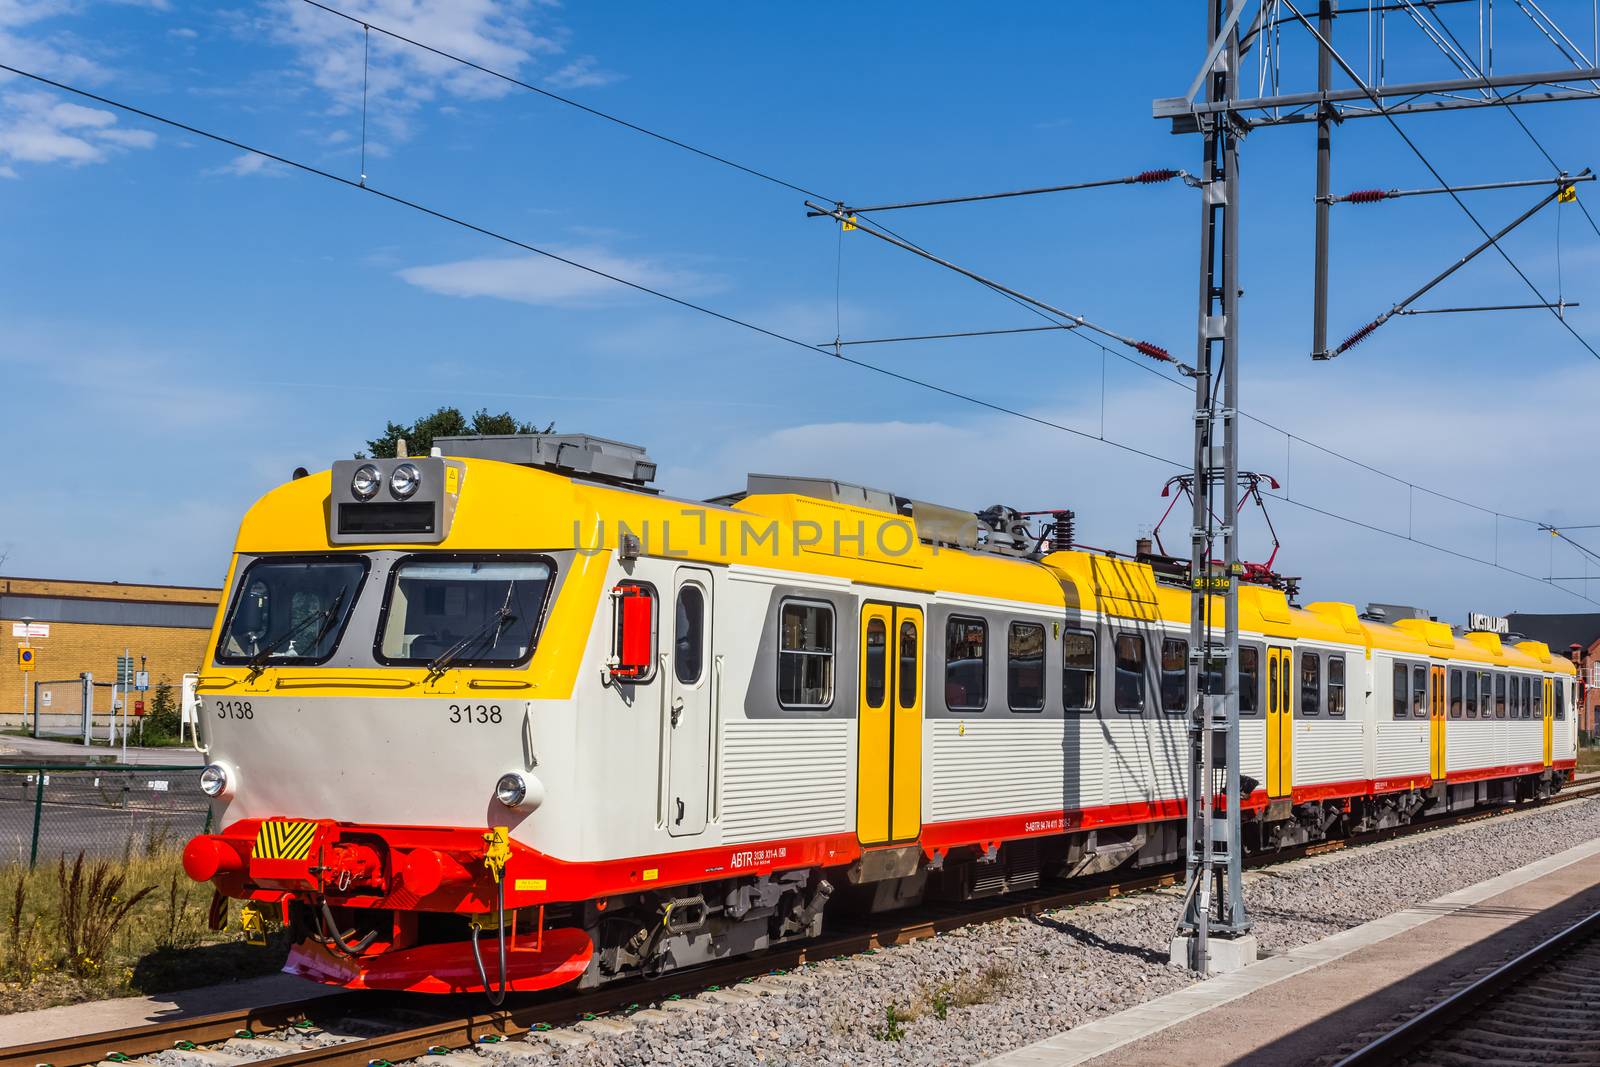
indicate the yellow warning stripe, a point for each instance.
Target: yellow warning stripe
{"x":284,"y":839}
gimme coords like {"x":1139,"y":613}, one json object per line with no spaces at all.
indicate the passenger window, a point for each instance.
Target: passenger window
{"x":1419,"y":692}
{"x":1130,"y":673}
{"x":1310,"y":684}
{"x":1077,"y":671}
{"x":689,"y":642}
{"x":1561,"y":699}
{"x":1537,"y":685}
{"x":1249,"y":680}
{"x":805,"y":655}
{"x":1514,"y":704}
{"x":1025,"y":667}
{"x":908,"y":664}
{"x":1174,"y":675}
{"x":877,"y":640}
{"x":1472,"y":694}
{"x":1485,"y":695}
{"x":1336,"y":686}
{"x":1455,"y":694}
{"x":1499,"y":696}
{"x":1527,"y":697}
{"x":1402,"y":683}
{"x":966,"y":664}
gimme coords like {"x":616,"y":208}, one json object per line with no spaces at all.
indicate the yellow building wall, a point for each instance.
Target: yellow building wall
{"x":72,"y":648}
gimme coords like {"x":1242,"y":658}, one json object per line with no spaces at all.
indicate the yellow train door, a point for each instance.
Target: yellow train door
{"x":1549,"y":720}
{"x":889,"y":723}
{"x":1436,"y":717}
{"x":1280,"y":722}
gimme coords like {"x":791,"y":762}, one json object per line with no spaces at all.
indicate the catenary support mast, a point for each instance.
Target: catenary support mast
{"x":1214,"y":902}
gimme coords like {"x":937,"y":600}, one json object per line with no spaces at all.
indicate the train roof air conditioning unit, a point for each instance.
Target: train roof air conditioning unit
{"x":576,"y":454}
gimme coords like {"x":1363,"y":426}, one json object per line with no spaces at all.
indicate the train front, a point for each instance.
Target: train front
{"x":385,"y":655}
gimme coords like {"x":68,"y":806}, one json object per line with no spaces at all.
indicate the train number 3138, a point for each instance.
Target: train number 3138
{"x":235,"y":709}
{"x":474,"y":713}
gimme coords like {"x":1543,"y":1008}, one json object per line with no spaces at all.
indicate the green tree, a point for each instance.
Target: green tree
{"x":446,"y":422}
{"x":163,"y":719}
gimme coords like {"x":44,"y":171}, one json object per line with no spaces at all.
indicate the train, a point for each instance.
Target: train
{"x":504,"y":717}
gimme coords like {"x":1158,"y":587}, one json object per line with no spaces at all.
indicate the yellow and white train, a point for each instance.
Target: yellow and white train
{"x":508,"y":688}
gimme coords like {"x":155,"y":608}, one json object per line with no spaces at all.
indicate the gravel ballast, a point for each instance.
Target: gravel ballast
{"x":976,"y":992}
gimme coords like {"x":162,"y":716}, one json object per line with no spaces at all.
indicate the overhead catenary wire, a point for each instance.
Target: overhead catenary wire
{"x":1145,"y":177}
{"x":1426,"y":162}
{"x":1512,"y":111}
{"x":1154,"y":351}
{"x":822,"y":351}
{"x":512,"y":79}
{"x":485,"y":231}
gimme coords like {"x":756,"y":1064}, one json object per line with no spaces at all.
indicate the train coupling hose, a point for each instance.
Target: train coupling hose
{"x":494,"y":858}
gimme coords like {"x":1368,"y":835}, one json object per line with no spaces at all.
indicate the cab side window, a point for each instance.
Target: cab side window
{"x":1174,"y":674}
{"x":966,"y":664}
{"x":1130,"y":673}
{"x":1310,"y":684}
{"x":1025,"y":667}
{"x":1419,"y":692}
{"x":805,"y":655}
{"x":1077,"y":670}
{"x":1402,"y":686}
{"x":1336,"y":686}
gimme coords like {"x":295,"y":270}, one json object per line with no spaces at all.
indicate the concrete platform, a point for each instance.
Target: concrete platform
{"x":73,"y":1020}
{"x":27,"y":751}
{"x":1303,"y":1006}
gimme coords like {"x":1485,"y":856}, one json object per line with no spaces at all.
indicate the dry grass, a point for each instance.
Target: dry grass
{"x":1588,"y":759}
{"x":939,"y":999}
{"x":92,"y":929}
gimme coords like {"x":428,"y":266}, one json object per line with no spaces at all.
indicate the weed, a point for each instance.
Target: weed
{"x":92,"y":909}
{"x":988,"y":984}
{"x":894,"y":1025}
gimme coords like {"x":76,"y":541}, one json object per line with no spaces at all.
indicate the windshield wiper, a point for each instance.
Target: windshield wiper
{"x":325,"y":617}
{"x":502,"y":618}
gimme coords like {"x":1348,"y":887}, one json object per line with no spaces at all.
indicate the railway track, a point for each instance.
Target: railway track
{"x":1537,"y":1008}
{"x":358,"y":1029}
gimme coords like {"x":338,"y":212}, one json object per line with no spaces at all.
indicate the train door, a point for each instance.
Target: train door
{"x":889,"y":763}
{"x":690,"y":711}
{"x":1436,"y":717}
{"x":1549,"y":705}
{"x":1280,"y":722}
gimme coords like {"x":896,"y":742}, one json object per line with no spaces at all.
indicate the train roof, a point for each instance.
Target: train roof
{"x":504,"y":504}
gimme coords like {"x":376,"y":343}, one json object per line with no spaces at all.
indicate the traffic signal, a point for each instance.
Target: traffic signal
{"x":25,"y":658}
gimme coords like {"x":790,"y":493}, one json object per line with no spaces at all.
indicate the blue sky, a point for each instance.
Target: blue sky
{"x":185,"y":324}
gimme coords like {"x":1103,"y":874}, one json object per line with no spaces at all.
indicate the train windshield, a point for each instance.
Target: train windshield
{"x":291,"y":610}
{"x":461,"y":612}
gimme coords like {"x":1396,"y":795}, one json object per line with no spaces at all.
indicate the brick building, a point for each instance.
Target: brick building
{"x":84,"y":626}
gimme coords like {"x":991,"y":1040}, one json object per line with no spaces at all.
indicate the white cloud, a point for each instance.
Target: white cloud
{"x":246,"y":165}
{"x":184,"y":32}
{"x":37,"y":127}
{"x":972,"y":461}
{"x":401,"y":78}
{"x":583,"y":72}
{"x":532,"y":279}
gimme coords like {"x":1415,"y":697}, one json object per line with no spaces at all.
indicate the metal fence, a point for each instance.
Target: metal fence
{"x":105,"y":811}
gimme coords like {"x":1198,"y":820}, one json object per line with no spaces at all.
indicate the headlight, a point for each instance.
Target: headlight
{"x":404,"y":480}
{"x":364,"y":483}
{"x":511,"y":790}
{"x":215,"y":781}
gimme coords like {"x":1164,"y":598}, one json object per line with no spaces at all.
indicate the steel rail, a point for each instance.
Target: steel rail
{"x":1415,"y":1033}
{"x":558,"y":1008}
